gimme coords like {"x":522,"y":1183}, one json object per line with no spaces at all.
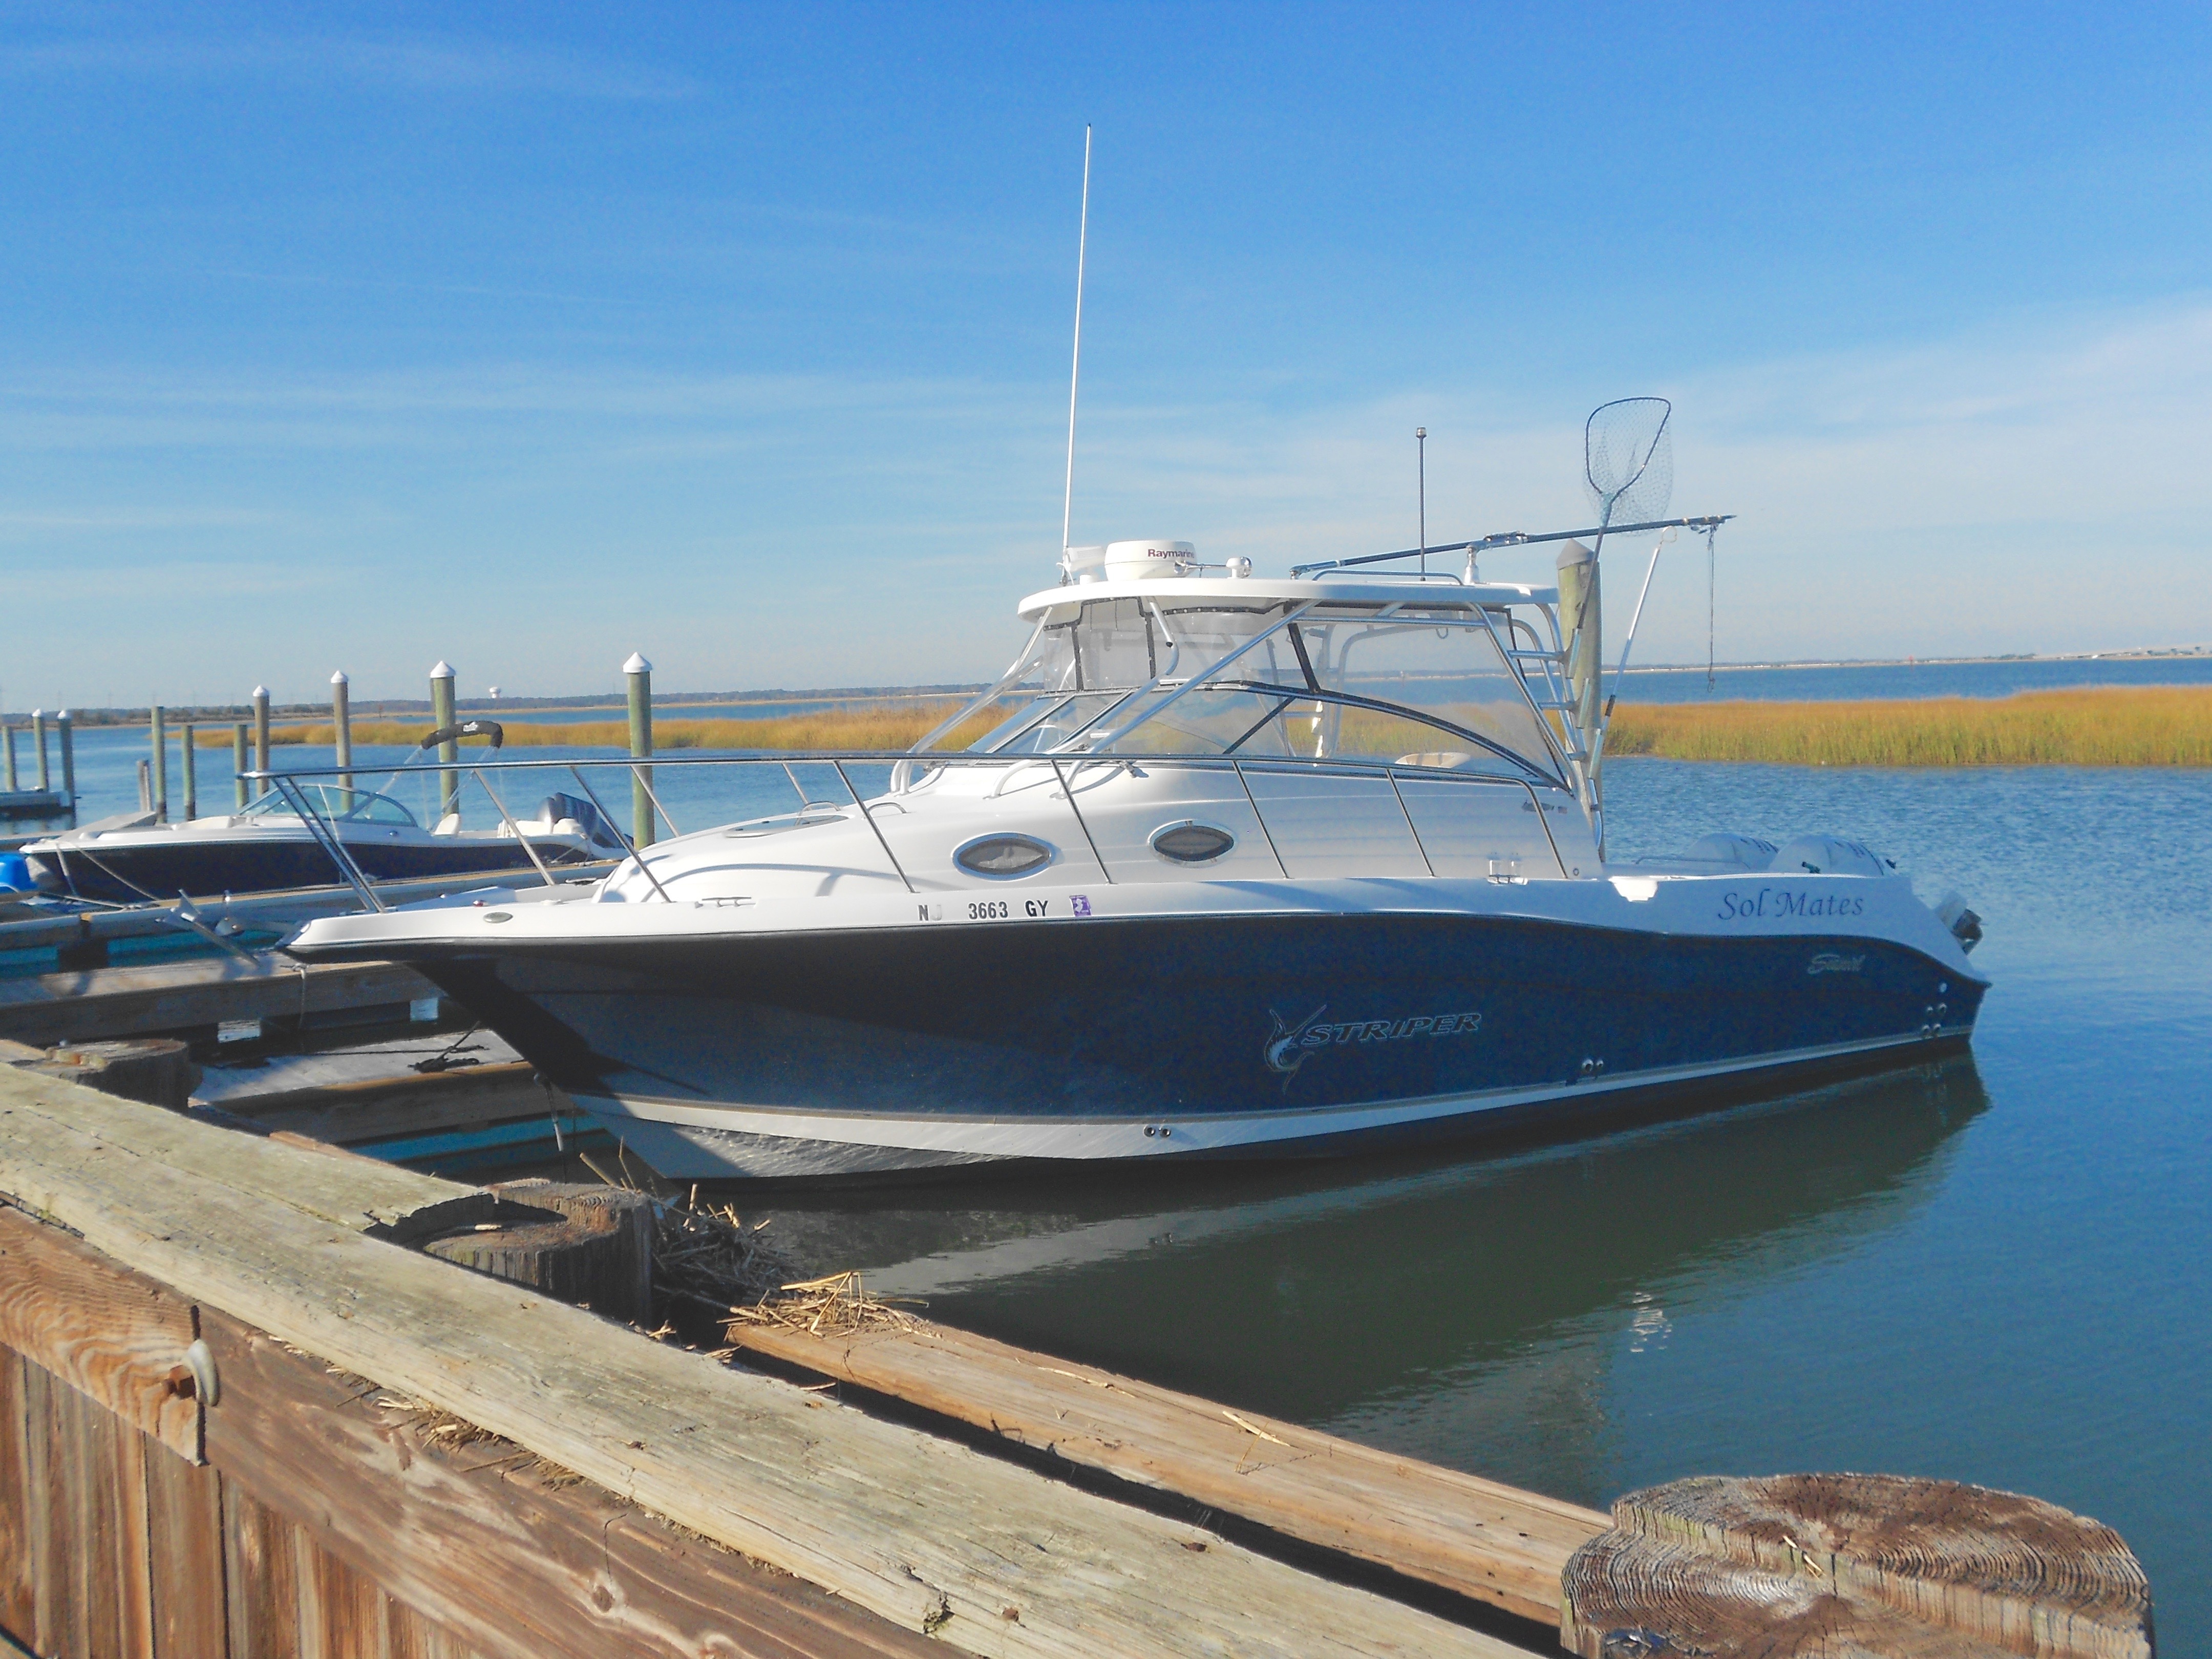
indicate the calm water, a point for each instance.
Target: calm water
{"x":1927,"y":679}
{"x":1998,"y":1270}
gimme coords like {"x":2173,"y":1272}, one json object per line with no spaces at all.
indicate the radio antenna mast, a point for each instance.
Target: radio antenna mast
{"x":1075,"y":369}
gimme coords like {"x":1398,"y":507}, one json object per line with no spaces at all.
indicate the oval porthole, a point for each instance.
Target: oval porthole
{"x":1001,"y":857}
{"x":1191,"y":842}
{"x":499,"y":915}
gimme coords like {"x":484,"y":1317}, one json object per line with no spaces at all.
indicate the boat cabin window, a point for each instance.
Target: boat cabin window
{"x":333,"y":802}
{"x":1281,"y":679}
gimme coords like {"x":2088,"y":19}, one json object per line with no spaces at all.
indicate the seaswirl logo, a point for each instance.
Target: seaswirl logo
{"x":1287,"y":1046}
{"x":1830,"y":962}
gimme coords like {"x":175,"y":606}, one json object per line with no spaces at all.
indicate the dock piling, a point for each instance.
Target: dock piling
{"x":39,"y":737}
{"x":12,"y":785}
{"x":145,"y":785}
{"x":188,"y":737}
{"x":157,"y":733}
{"x":66,"y":728}
{"x":639,"y":673}
{"x":261,"y":728}
{"x":238,"y":763}
{"x":341,"y":727}
{"x":442,"y":716}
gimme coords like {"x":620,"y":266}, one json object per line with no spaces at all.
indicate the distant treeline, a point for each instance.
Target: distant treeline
{"x":2134,"y":726}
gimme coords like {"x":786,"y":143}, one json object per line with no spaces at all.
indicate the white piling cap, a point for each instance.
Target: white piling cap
{"x":260,"y":690}
{"x":637,"y":664}
{"x":444,"y":671}
{"x":338,"y":678}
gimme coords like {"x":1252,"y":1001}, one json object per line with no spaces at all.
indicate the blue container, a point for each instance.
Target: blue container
{"x":16,"y":871}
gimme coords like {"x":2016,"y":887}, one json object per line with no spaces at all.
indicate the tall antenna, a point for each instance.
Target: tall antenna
{"x":1075,"y":369}
{"x":1421,"y":462}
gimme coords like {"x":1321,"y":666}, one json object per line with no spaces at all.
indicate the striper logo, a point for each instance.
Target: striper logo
{"x":1830,"y":962}
{"x":1288,"y":1046}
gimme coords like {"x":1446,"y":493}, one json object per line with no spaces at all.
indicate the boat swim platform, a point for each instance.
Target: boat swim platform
{"x":240,"y":1413}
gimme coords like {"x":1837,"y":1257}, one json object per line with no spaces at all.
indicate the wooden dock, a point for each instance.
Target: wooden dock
{"x":261,"y":1248}
{"x":1487,"y":1541}
{"x":199,"y":995}
{"x":243,"y":1412}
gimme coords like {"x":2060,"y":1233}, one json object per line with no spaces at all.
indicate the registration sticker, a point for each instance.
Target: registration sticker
{"x":1079,"y":904}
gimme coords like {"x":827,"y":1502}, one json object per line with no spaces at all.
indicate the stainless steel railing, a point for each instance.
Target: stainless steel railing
{"x":312,"y":805}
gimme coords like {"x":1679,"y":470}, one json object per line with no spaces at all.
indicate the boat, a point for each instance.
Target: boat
{"x":1225,"y":865}
{"x":285,"y":838}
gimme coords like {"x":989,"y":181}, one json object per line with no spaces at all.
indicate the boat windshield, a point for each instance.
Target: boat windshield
{"x":333,"y":802}
{"x":1404,"y":683}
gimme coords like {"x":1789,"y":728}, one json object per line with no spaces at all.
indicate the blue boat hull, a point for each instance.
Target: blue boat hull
{"x":864,"y":1050}
{"x":204,"y":866}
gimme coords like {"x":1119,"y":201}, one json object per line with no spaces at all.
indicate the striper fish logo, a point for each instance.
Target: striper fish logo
{"x":1282,"y":1050}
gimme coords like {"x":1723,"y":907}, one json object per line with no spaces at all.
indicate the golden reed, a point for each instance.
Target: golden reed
{"x":2145,"y":725}
{"x":2104,"y":726}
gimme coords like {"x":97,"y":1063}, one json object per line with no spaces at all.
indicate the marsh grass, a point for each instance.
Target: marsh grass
{"x":2116,"y":726}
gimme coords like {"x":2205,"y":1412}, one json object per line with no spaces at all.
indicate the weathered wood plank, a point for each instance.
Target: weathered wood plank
{"x":375,"y":1108}
{"x":925,"y":1533}
{"x":506,"y":1560}
{"x":260,"y":1578}
{"x":184,"y":1527}
{"x":181,"y":996}
{"x":353,"y":1192}
{"x":18,"y":1591}
{"x":134,"y":1583}
{"x":115,"y":1341}
{"x":1475,"y":1536}
{"x":84,"y":1465}
{"x":46,"y":1522}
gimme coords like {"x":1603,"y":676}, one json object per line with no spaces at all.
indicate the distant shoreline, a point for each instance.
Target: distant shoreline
{"x":413,"y":709}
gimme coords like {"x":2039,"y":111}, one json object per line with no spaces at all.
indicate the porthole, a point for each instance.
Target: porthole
{"x":1191,"y":842}
{"x":1002,"y":857}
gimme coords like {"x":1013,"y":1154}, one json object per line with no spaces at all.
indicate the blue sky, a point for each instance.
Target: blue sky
{"x":527,"y":337}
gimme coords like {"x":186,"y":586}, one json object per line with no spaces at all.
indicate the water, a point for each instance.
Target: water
{"x":1849,"y":681}
{"x":1996,"y":1270}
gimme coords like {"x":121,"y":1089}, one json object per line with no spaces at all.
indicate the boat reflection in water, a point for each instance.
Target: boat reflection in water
{"x":1467,"y":1312}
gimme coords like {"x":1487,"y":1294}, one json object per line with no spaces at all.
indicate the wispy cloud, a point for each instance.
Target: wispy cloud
{"x":420,"y":63}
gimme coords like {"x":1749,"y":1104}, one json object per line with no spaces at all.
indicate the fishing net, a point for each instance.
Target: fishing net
{"x":1628,"y":460}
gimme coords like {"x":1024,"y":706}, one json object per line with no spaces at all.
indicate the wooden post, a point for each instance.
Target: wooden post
{"x":156,"y":731}
{"x":261,"y":728}
{"x":67,"y":729}
{"x":342,"y":724}
{"x":1817,"y":1564}
{"x":238,"y":763}
{"x":145,"y":786}
{"x":158,"y":1071}
{"x":39,"y":737}
{"x":592,"y":1246}
{"x":639,"y":671}
{"x":12,"y":785}
{"x":442,"y":716}
{"x":189,"y":735}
